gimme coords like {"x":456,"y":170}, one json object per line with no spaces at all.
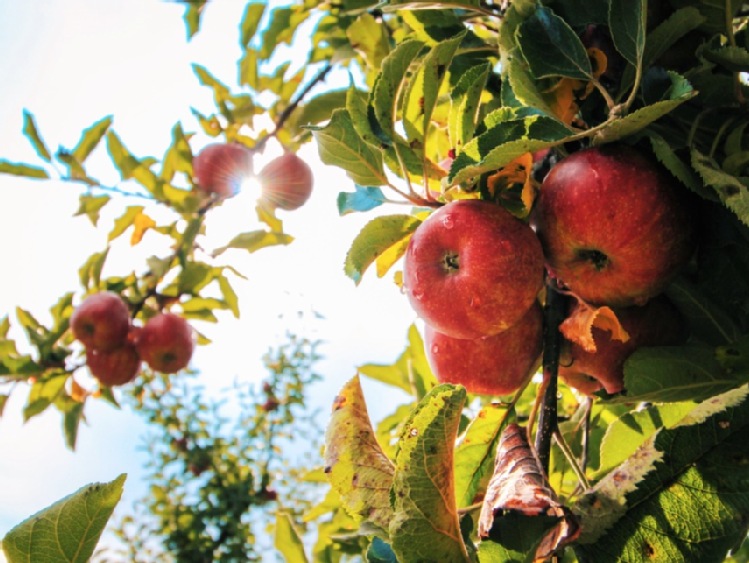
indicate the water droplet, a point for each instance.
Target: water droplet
{"x":435,"y":349}
{"x":417,"y":294}
{"x":475,"y":302}
{"x":448,"y":222}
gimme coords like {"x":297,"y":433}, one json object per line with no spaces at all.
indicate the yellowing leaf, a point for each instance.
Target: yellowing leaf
{"x":578,"y":326}
{"x":357,"y":467}
{"x":141,"y":224}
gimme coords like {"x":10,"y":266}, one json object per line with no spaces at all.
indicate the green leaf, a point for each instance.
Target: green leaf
{"x":641,"y":118}
{"x":676,"y":373}
{"x":321,"y":107}
{"x":707,"y":322}
{"x":131,"y":167}
{"x":410,"y":372}
{"x":71,"y":421}
{"x":384,"y":96}
{"x":422,"y":90}
{"x":354,"y":461}
{"x":474,"y":455}
{"x":510,"y":133}
{"x":253,"y":13}
{"x":90,"y":139}
{"x":627,"y":21}
{"x":191,"y":17}
{"x":90,"y":272}
{"x":551,"y":48}
{"x":254,"y":240}
{"x":32,"y":134}
{"x":125,"y":221}
{"x":24,"y":170}
{"x":178,"y":157}
{"x":365,"y":198}
{"x":43,"y":393}
{"x":425,"y":520}
{"x":629,"y":432}
{"x":374,"y":239}
{"x":465,"y":104}
{"x":287,"y":540}
{"x":229,"y":295}
{"x":370,"y":38}
{"x":339,"y":144}
{"x":68,"y":530}
{"x":683,"y":171}
{"x":655,"y":506}
{"x":283,"y":23}
{"x":731,"y":191}
{"x":90,"y":206}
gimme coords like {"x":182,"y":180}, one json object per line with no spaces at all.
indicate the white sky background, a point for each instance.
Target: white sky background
{"x":72,"y":62}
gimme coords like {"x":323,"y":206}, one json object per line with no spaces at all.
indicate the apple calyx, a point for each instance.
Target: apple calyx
{"x":598,"y":259}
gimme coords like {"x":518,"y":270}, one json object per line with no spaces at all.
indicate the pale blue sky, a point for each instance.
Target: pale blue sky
{"x":71,"y":62}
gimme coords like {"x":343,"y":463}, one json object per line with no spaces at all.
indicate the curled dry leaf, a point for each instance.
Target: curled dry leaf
{"x":518,"y":486}
{"x":578,"y":326}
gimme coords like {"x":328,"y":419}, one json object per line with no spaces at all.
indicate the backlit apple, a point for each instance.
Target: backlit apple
{"x":114,"y":367}
{"x":101,"y":321}
{"x":472,"y":269}
{"x":220,"y":168}
{"x":657,"y":323}
{"x":166,"y":343}
{"x":494,"y":365}
{"x":615,"y":227}
{"x":286,"y":182}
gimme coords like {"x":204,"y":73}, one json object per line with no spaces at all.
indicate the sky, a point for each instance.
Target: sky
{"x":71,"y":63}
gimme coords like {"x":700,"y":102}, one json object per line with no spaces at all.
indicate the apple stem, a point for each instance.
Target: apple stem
{"x":554,"y":314}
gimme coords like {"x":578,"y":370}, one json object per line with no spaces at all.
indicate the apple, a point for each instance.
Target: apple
{"x":101,"y":321}
{"x":220,"y":168}
{"x":286,"y":182}
{"x":615,"y":228}
{"x":657,"y":323}
{"x":166,"y":343}
{"x":114,"y":367}
{"x":493,"y":365}
{"x":472,"y":269}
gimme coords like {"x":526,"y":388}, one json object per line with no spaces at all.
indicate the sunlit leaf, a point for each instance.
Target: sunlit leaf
{"x":287,"y":540}
{"x":125,"y":221}
{"x":90,"y":139}
{"x":68,"y":530}
{"x":43,"y":393}
{"x":255,"y":240}
{"x":370,"y":38}
{"x":24,"y":170}
{"x":375,"y":238}
{"x":90,"y":206}
{"x":465,"y":104}
{"x":425,"y":518}
{"x":251,"y":17}
{"x":191,"y":17}
{"x":32,"y":134}
{"x":141,"y":224}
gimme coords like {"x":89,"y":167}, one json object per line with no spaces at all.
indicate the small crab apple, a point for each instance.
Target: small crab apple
{"x":114,"y":367}
{"x":220,"y":168}
{"x":657,"y":323}
{"x":493,"y":365}
{"x":286,"y":182}
{"x":166,"y":343}
{"x":615,"y":227}
{"x":101,"y":321}
{"x":472,"y":269}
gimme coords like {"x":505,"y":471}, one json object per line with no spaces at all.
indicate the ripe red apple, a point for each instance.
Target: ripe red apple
{"x":114,"y":367}
{"x":286,"y":182}
{"x":657,"y":323}
{"x":493,"y":365}
{"x":101,"y":321}
{"x":472,"y":269}
{"x":614,"y":226}
{"x":166,"y":343}
{"x":220,"y":168}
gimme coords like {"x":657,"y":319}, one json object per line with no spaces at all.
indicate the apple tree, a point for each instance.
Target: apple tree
{"x":576,"y":167}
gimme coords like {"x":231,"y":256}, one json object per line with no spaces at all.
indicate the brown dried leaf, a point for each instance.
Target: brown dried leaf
{"x":578,"y":326}
{"x":518,"y":486}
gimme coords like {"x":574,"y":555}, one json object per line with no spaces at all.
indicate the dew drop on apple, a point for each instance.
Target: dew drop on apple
{"x":418,"y":294}
{"x":435,"y":349}
{"x":448,"y":222}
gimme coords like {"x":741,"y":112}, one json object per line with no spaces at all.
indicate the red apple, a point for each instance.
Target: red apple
{"x":114,"y":367}
{"x":657,"y":323}
{"x":614,"y":226}
{"x":220,"y":168}
{"x":286,"y":182}
{"x":494,"y":365}
{"x":472,"y":269}
{"x":101,"y":321}
{"x":166,"y":343}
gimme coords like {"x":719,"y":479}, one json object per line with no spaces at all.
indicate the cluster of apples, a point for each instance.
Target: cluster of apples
{"x":609,"y":226}
{"x":220,"y":168}
{"x":116,"y":348}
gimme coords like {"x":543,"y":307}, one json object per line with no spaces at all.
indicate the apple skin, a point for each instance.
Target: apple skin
{"x":114,"y":367}
{"x":472,"y":269}
{"x":101,"y":321}
{"x":657,"y":323}
{"x":615,"y":227}
{"x":166,"y":343}
{"x":493,"y":365}
{"x":220,"y":168}
{"x":286,"y":182}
